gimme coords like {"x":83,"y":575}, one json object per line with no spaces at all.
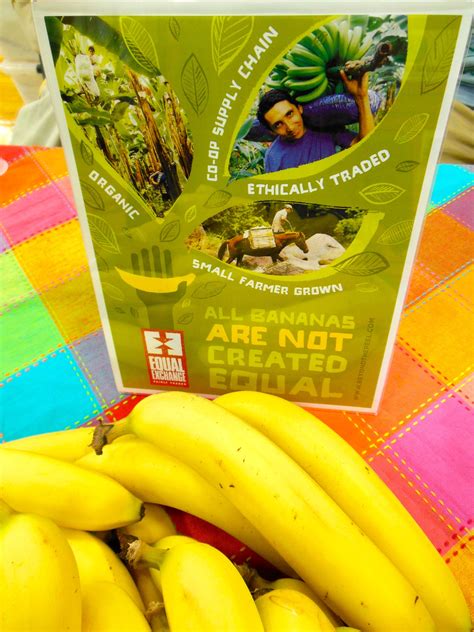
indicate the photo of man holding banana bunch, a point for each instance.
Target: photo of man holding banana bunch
{"x":324,"y":94}
{"x":296,"y":144}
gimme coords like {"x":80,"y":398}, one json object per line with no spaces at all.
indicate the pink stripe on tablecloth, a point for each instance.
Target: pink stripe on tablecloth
{"x":436,"y":448}
{"x":64,"y":184}
{"x":461,"y":208}
{"x":4,"y":243}
{"x":34,"y":213}
{"x":434,"y":521}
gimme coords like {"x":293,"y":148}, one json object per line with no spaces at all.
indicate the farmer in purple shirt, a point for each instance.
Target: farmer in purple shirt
{"x":296,"y":144}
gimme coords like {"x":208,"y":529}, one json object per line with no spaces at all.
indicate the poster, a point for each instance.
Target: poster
{"x":251,"y":186}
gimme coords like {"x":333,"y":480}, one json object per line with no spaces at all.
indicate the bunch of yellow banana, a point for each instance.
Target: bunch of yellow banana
{"x":361,"y":494}
{"x":306,"y":70}
{"x":262,"y":469}
{"x":157,"y":477}
{"x":202,"y":589}
{"x":351,"y":568}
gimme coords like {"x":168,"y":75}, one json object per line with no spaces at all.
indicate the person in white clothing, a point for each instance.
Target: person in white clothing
{"x":281,"y":219}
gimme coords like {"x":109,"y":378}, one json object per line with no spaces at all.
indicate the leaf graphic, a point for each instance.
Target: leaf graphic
{"x":363,"y":264}
{"x":87,"y":153}
{"x":397,"y":233}
{"x":170,"y":231}
{"x":102,"y":264}
{"x":113,"y":292}
{"x":367,"y":287}
{"x":190,"y":214}
{"x":209,"y":289}
{"x":229,"y":35}
{"x":194,"y":84}
{"x":135,"y":234}
{"x":185,"y":319}
{"x":218,"y":198}
{"x":103,"y":236}
{"x":92,"y":198}
{"x":411,"y":128}
{"x":407,"y":165}
{"x":140,"y":44}
{"x":382,"y":193}
{"x":439,"y":57}
{"x":135,"y":313}
{"x":175,"y":28}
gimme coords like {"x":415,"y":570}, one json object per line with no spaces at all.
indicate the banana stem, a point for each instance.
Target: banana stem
{"x":152,"y":599}
{"x":355,"y":69}
{"x":106,"y":433}
{"x":140,"y":554}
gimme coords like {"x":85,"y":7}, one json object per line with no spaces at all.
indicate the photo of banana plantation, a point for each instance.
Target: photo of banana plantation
{"x":124,"y":106}
{"x":278,"y":237}
{"x":326,"y":93}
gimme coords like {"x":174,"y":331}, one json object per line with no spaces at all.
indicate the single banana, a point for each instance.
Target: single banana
{"x":317,"y":92}
{"x":326,"y":40}
{"x":364,"y":47}
{"x":152,"y":598}
{"x":303,"y":85}
{"x":133,"y":550}
{"x":316,"y":47}
{"x":285,"y":609}
{"x":364,"y":497}
{"x":97,"y":562}
{"x":258,"y":584}
{"x":106,"y":607}
{"x":156,"y":477}
{"x":305,"y":57}
{"x":343,"y":39}
{"x":202,"y":590}
{"x":354,"y":43}
{"x":66,"y":445}
{"x":68,"y":494}
{"x":309,"y":530}
{"x":39,"y":580}
{"x":305,"y":72}
{"x":154,"y":525}
{"x":333,"y":31}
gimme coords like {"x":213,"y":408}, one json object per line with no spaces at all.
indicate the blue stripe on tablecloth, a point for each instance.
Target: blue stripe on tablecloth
{"x":450,"y":180}
{"x":52,"y":394}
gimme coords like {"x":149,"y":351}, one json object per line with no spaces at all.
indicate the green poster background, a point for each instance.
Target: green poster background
{"x":317,"y":336}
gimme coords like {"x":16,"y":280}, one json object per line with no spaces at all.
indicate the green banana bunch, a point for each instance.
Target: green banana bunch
{"x":311,"y":68}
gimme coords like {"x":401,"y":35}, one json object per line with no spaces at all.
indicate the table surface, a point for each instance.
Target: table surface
{"x":55,"y":372}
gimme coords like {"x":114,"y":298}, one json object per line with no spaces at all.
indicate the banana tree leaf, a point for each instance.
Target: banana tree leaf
{"x":55,"y":36}
{"x":105,"y":35}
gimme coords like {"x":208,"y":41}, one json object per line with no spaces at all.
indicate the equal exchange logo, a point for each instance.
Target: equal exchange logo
{"x":166,"y":357}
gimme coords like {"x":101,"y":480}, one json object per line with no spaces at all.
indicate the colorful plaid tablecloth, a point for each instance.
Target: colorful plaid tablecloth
{"x":55,"y":372}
